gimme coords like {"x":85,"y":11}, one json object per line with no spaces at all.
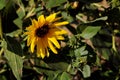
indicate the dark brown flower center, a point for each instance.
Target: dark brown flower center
{"x":42,"y":31}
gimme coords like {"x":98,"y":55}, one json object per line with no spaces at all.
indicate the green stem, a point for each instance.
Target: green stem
{"x":113,"y":43}
{"x":1,"y":51}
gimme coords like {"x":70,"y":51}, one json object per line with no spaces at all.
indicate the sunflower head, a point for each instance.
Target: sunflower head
{"x":42,"y":31}
{"x":43,"y":34}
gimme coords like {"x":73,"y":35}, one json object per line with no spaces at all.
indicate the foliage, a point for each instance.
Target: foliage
{"x":90,"y":51}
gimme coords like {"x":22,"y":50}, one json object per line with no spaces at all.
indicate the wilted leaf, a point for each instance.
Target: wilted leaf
{"x":101,"y":18}
{"x":30,"y":13}
{"x":90,"y":31}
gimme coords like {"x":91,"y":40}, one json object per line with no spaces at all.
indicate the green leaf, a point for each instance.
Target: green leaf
{"x":86,"y":71}
{"x":2,"y":4}
{"x":98,"y":19}
{"x":18,"y":22}
{"x":65,"y":76}
{"x":59,"y":66}
{"x":51,"y":74}
{"x":80,"y":51}
{"x":15,"y":33}
{"x":15,"y":61}
{"x":30,"y":13}
{"x":115,"y":3}
{"x":54,"y":3}
{"x":2,"y":77}
{"x":105,"y":53}
{"x":13,"y":46}
{"x":21,"y":12}
{"x":90,"y":31}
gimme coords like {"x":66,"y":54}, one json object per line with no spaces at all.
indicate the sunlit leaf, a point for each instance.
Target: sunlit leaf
{"x":80,"y":51}
{"x":115,"y":3}
{"x":86,"y":71}
{"x":2,"y":4}
{"x":90,"y":31}
{"x":21,"y":12}
{"x":18,"y":22}
{"x":15,"y":33}
{"x":30,"y":13}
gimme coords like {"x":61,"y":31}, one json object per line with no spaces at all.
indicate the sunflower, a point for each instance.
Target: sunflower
{"x":43,"y":34}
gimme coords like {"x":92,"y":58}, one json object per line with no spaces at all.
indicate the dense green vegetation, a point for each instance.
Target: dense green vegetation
{"x":90,"y":51}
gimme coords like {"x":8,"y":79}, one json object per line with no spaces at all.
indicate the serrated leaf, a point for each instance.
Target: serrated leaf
{"x":86,"y":71}
{"x":51,"y":3}
{"x":2,"y":4}
{"x":14,"y":61}
{"x":65,"y":76}
{"x":90,"y":31}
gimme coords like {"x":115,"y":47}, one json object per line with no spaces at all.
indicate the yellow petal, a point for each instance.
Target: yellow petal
{"x":42,"y":52}
{"x":30,"y":28}
{"x":56,"y":19}
{"x":51,"y":18}
{"x":32,"y":45}
{"x":54,"y":41}
{"x":34,"y":24}
{"x":27,"y":33}
{"x":61,"y":32}
{"x":60,"y":37}
{"x":40,"y":49}
{"x":47,"y":53}
{"x":41,"y":20}
{"x":52,"y":47}
{"x":28,"y":41}
{"x":61,"y":23}
{"x":46,"y":45}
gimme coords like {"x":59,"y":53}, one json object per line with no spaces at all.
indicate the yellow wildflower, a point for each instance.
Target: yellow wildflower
{"x":44,"y":33}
